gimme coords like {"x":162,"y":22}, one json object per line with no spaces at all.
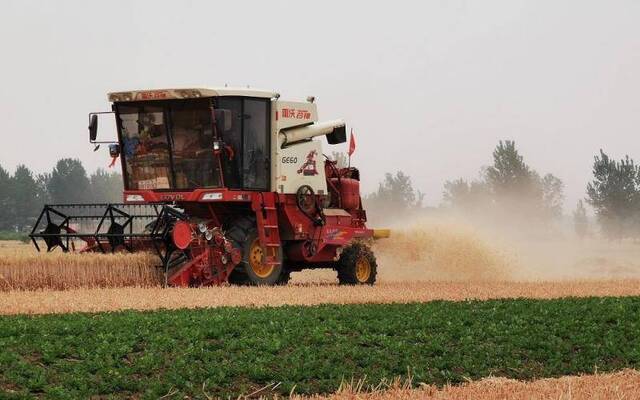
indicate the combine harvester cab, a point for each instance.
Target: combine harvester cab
{"x":225,"y":185}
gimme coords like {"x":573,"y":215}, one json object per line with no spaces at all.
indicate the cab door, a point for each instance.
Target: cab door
{"x":255,"y":150}
{"x":247,"y":165}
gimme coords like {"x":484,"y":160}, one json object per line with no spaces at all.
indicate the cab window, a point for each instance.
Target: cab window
{"x":246,"y":158}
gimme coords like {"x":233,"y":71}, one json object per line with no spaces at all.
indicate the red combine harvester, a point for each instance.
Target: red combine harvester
{"x":225,"y":185}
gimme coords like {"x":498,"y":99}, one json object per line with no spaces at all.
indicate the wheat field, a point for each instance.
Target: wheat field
{"x":430,"y":254}
{"x":111,"y":299}
{"x":424,"y":253}
{"x":23,"y":268}
{"x":429,"y":261}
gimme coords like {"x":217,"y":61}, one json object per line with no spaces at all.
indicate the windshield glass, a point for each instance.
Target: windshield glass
{"x":194,"y":162}
{"x":145,"y":147}
{"x":168,"y":146}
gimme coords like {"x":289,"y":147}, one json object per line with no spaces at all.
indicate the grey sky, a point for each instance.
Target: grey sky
{"x":429,"y":87}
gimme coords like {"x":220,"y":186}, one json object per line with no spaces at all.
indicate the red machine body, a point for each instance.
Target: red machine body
{"x":308,"y":241}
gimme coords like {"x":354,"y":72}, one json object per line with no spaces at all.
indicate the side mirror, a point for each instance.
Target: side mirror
{"x":223,"y":120}
{"x":114,"y":150}
{"x":93,"y":127}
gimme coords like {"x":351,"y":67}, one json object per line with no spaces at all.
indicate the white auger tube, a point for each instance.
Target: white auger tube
{"x":298,"y":134}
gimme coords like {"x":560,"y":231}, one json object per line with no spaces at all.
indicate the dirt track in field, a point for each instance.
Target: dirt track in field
{"x":96,"y":300}
{"x":621,"y":385}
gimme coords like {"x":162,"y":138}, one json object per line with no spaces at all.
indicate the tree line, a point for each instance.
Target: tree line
{"x":508,"y":190}
{"x":508,"y":187}
{"x":24,"y":193}
{"x":511,"y":189}
{"x":614,"y":195}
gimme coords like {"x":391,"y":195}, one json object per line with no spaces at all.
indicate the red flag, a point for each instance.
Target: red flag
{"x":352,"y":143}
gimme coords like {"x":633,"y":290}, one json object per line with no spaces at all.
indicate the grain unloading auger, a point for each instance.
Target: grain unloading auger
{"x":225,"y":185}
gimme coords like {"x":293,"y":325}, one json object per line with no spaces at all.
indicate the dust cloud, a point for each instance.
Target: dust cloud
{"x":441,"y":245}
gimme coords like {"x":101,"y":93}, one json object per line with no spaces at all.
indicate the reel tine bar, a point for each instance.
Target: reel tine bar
{"x":102,"y":227}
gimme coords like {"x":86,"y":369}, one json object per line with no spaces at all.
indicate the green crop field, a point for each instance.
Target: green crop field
{"x":238,"y":350}
{"x":23,"y":237}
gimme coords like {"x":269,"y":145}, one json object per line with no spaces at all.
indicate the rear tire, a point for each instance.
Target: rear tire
{"x":285,"y":277}
{"x":357,"y":265}
{"x":251,"y":270}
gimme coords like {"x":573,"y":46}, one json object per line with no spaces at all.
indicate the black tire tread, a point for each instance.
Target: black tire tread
{"x":347,"y":264}
{"x":285,"y":277}
{"x":240,"y":233}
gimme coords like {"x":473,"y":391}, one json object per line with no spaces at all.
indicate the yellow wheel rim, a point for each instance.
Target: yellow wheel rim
{"x":363,"y":269}
{"x":256,"y":261}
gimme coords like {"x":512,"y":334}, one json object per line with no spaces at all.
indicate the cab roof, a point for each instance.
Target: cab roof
{"x":188,"y":93}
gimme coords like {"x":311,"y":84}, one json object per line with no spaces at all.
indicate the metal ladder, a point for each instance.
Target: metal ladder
{"x":264,"y":205}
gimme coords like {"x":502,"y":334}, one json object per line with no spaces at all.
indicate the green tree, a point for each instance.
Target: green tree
{"x":43,"y":182}
{"x":464,"y":195}
{"x":25,"y":195}
{"x":508,"y":186}
{"x":580,"y":220}
{"x":69,"y":182}
{"x":395,"y":193}
{"x":457,"y":193}
{"x":613,"y":193}
{"x":106,"y":187}
{"x":7,"y":202}
{"x":552,"y":195}
{"x":509,"y":175}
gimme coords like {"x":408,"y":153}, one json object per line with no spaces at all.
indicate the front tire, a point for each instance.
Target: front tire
{"x":252,"y":270}
{"x":357,"y":265}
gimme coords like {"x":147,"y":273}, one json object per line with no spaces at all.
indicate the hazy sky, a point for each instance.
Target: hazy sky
{"x":428,"y":86}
